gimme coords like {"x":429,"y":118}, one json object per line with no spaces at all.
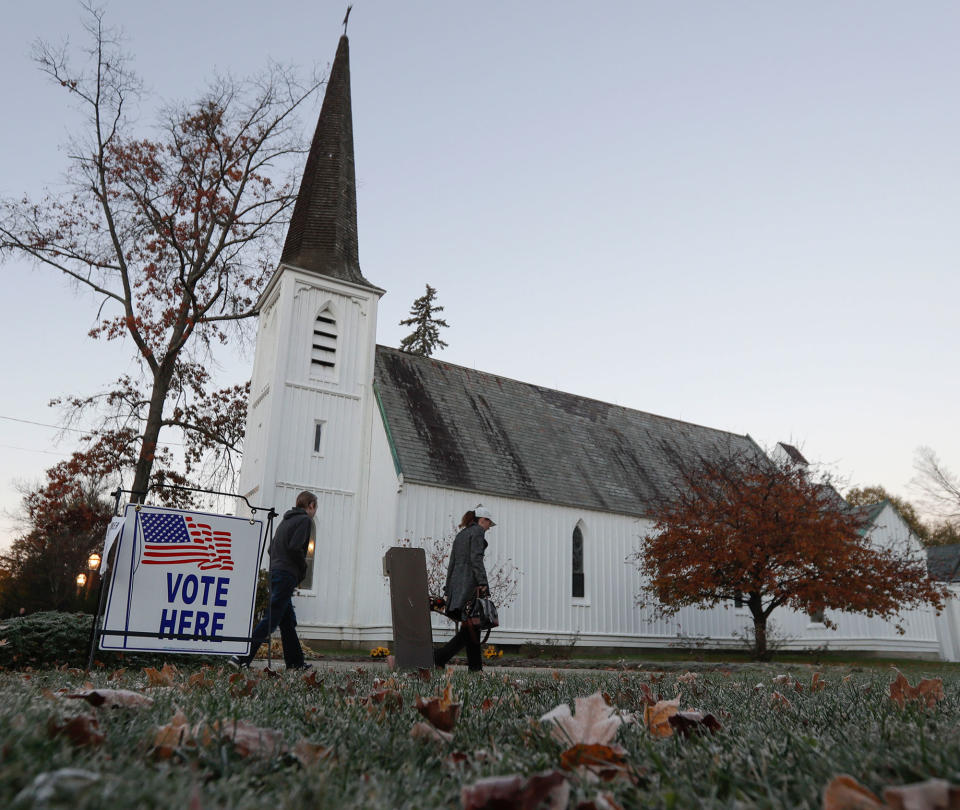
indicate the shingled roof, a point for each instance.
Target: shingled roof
{"x":456,"y":427}
{"x":943,"y":563}
{"x":322,"y":236}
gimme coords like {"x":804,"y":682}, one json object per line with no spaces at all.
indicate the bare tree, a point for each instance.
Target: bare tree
{"x":939,"y":486}
{"x":174,"y":233}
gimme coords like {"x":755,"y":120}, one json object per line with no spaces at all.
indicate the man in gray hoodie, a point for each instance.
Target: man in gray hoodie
{"x":288,"y":567}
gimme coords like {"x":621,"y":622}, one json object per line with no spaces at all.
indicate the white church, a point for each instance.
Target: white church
{"x":399,"y":446}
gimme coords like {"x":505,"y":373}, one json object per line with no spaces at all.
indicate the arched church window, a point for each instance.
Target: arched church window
{"x":323,"y":354}
{"x":578,"y":584}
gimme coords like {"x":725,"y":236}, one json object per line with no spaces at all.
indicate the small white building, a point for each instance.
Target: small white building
{"x":398,"y":446}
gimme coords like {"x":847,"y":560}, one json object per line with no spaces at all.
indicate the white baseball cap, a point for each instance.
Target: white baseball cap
{"x":483,"y":512}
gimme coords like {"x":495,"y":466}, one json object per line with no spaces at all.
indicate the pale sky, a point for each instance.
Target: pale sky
{"x":740,"y":214}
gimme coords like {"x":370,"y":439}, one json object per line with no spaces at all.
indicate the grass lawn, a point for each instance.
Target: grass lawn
{"x":356,"y":748}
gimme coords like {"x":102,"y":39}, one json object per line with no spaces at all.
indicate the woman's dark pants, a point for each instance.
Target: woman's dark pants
{"x":465,"y":637}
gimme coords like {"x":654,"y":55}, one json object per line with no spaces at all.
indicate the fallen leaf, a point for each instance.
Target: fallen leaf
{"x":161,"y":677}
{"x":427,"y":731}
{"x":687,"y":677}
{"x":442,"y":711}
{"x":174,"y":735}
{"x":199,"y":680}
{"x":604,"y":762}
{"x":778,"y":700}
{"x":657,"y":717}
{"x":56,"y":788}
{"x":116,"y":675}
{"x":248,"y":739}
{"x":309,"y":754}
{"x":80,"y":730}
{"x":846,"y":793}
{"x":112,"y":697}
{"x":593,"y":722}
{"x":313,"y":679}
{"x":648,"y":698}
{"x":549,"y":789}
{"x":934,"y":794}
{"x":927,"y":691}
{"x":694,"y":721}
{"x":817,"y":683}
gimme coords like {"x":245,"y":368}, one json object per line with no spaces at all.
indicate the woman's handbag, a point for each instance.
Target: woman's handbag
{"x":480,"y":614}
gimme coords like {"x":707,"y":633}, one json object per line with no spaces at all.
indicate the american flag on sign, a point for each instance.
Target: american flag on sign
{"x":172,"y":539}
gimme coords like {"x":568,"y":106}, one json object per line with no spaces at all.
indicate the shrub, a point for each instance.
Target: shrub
{"x":52,"y":639}
{"x":46,"y":639}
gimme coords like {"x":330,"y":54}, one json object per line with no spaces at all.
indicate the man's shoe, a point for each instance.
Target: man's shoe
{"x":235,"y":662}
{"x":301,"y":668}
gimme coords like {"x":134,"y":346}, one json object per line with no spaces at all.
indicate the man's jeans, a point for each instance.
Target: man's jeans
{"x":282,"y":586}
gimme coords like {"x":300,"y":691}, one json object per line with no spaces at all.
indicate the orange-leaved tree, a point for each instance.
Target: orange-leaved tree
{"x":173,"y":231}
{"x":741,"y":526}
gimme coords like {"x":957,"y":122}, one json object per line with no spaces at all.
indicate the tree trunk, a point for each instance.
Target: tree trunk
{"x":760,"y":651}
{"x":151,"y":433}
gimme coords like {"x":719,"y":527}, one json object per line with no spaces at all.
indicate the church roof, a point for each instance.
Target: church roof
{"x":943,"y":563}
{"x":457,"y":427}
{"x":322,"y":237}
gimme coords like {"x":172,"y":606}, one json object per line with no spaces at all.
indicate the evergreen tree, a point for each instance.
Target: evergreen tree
{"x":425,"y":338}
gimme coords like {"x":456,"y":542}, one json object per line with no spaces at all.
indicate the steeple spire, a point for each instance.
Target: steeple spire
{"x":322,"y":237}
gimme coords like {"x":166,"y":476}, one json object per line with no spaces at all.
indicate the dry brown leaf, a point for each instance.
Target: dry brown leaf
{"x":199,"y":680}
{"x":817,"y":683}
{"x":80,"y":730}
{"x":549,"y":789}
{"x":657,"y":717}
{"x":604,"y":762}
{"x":846,"y":793}
{"x":248,"y":739}
{"x":442,"y":711}
{"x":309,"y":754}
{"x":593,"y":722}
{"x":161,"y":677}
{"x":779,"y":701}
{"x":648,"y":698}
{"x":934,"y":794}
{"x":313,"y":679}
{"x":241,"y":685}
{"x":928,"y":691}
{"x":171,"y":736}
{"x":112,"y":698}
{"x":426,"y":731}
{"x":687,"y":677}
{"x":692,"y":721}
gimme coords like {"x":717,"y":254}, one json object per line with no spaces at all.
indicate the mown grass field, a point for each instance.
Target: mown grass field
{"x":356,"y":748}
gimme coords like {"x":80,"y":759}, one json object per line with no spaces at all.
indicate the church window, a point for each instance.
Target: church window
{"x":307,"y":582}
{"x":323,"y":353}
{"x":318,"y":438}
{"x":578,"y":583}
{"x":816,"y":616}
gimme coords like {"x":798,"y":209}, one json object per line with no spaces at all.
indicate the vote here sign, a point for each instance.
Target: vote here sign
{"x":180,"y":573}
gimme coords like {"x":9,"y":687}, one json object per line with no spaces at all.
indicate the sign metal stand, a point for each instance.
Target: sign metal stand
{"x":96,"y":633}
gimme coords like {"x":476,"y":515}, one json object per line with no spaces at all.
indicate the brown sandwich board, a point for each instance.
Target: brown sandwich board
{"x":409,"y":607}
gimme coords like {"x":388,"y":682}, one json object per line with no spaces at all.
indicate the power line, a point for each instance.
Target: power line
{"x":43,"y":424}
{"x":32,"y":450}
{"x":71,"y":430}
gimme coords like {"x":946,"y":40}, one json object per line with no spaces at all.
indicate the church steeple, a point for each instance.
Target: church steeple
{"x":322,"y":237}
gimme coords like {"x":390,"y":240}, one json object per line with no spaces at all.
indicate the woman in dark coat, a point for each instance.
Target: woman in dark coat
{"x":466,"y":578}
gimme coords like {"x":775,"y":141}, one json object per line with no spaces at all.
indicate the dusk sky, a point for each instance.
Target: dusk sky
{"x":739,"y":214}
